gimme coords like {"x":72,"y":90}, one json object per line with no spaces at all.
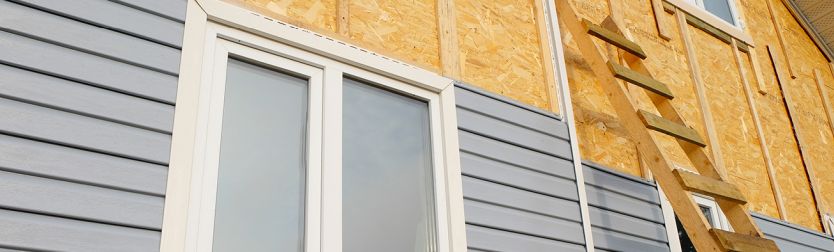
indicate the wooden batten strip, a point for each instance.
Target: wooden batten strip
{"x":448,"y":35}
{"x":709,"y":186}
{"x":740,"y":242}
{"x":781,"y":37}
{"x":669,"y":8}
{"x":804,"y":155}
{"x":700,"y":94}
{"x":668,"y":127}
{"x":660,"y":20}
{"x":757,"y":70}
{"x":826,"y":103}
{"x":614,"y":39}
{"x":343,"y":16}
{"x":754,"y":112}
{"x":715,"y":32}
{"x":646,"y":82}
{"x":547,"y":56}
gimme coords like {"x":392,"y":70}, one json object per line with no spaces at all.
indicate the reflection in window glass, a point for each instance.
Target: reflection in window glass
{"x":387,"y":190}
{"x":721,"y":9}
{"x":260,"y":187}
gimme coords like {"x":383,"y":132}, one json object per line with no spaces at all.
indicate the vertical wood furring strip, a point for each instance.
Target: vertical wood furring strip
{"x":700,"y":92}
{"x":548,"y":63}
{"x":450,"y":64}
{"x":781,"y":37}
{"x":343,"y":17}
{"x":757,"y":70}
{"x":660,"y":20}
{"x":826,"y":103}
{"x":751,"y":103}
{"x":786,"y":99}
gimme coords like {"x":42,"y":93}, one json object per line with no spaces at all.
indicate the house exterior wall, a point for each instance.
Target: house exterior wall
{"x":87,"y":92}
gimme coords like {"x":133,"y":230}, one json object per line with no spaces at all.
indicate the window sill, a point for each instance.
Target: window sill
{"x":713,"y":21}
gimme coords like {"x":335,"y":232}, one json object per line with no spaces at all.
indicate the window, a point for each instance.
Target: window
{"x":302,"y":143}
{"x":829,"y":221}
{"x":712,"y":213}
{"x":723,"y":9}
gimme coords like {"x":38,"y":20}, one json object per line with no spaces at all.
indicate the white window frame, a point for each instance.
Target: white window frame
{"x":696,"y":9}
{"x":733,"y":11}
{"x":715,"y":211}
{"x":829,"y":222}
{"x":216,"y":30}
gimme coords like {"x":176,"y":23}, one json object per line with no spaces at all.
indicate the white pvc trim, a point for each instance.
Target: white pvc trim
{"x":669,"y":222}
{"x":567,"y":112}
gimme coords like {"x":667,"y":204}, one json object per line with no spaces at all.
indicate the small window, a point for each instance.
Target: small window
{"x":714,"y":217}
{"x":723,"y":9}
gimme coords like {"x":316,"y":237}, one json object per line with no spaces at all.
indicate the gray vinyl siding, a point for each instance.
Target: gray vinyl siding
{"x":790,"y":237}
{"x":519,"y":186}
{"x":625,"y":211}
{"x":87,"y":90}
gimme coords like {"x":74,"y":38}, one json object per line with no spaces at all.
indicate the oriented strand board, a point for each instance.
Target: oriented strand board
{"x":320,"y":14}
{"x":500,"y":49}
{"x":738,"y":140}
{"x":407,"y":29}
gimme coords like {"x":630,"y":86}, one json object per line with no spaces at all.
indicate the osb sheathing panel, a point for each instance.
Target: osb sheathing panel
{"x":738,"y":138}
{"x":602,"y":139}
{"x":319,"y":14}
{"x":407,"y":29}
{"x":790,"y":173}
{"x":500,"y":49}
{"x":813,"y":122}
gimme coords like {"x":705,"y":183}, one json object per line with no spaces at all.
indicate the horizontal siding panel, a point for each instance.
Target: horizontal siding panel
{"x":791,"y":237}
{"x":83,"y":67}
{"x":67,"y":199}
{"x":612,"y":201}
{"x":483,"y":214}
{"x":172,"y":9}
{"x":514,"y":155}
{"x":520,"y":199}
{"x":505,"y":131}
{"x":510,"y":113}
{"x":38,"y":232}
{"x":614,"y":241}
{"x":45,"y":26}
{"x":615,"y":182}
{"x":627,"y":224}
{"x":84,"y":99}
{"x":41,"y":123}
{"x":69,"y":164}
{"x":118,"y":17}
{"x":488,"y":239}
{"x":483,"y":168}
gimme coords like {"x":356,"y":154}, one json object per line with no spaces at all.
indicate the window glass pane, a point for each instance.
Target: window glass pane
{"x":260,"y":185}
{"x":720,"y":8}
{"x":707,"y":212}
{"x":387,"y":190}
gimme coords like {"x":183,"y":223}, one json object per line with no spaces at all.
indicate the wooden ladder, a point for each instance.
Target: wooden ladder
{"x":678,"y":185}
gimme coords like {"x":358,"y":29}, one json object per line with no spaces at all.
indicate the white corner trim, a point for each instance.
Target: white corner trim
{"x":714,"y":21}
{"x":568,"y":117}
{"x":669,"y":222}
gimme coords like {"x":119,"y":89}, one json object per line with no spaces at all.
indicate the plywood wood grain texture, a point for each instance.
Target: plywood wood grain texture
{"x":320,"y":14}
{"x":407,"y":28}
{"x":735,"y":133}
{"x":501,"y":50}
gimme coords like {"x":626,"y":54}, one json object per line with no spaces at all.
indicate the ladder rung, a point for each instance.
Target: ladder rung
{"x":641,"y":80}
{"x":661,"y":124}
{"x":740,"y":242}
{"x":614,"y":39}
{"x":709,"y":186}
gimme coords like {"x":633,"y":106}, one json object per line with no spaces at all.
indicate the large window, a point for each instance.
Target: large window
{"x":296,"y":148}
